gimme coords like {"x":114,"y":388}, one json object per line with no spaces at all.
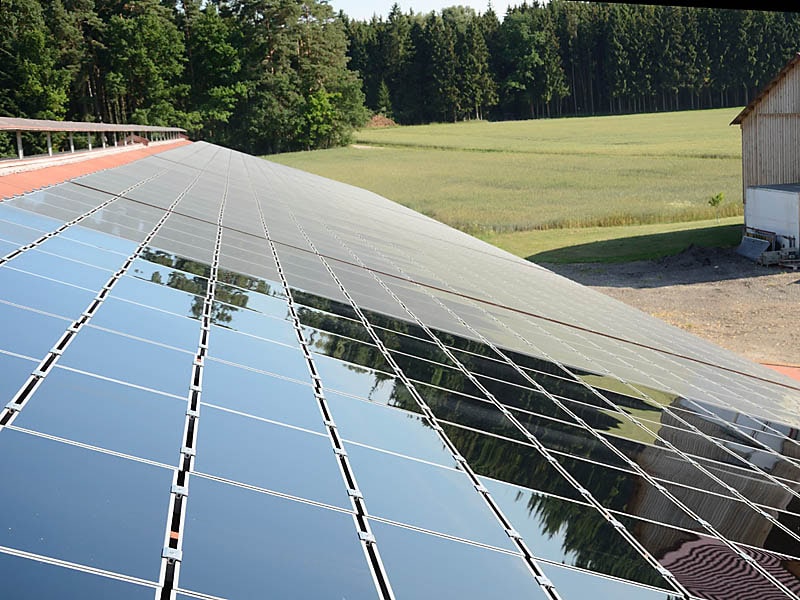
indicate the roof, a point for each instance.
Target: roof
{"x":222,"y":377}
{"x":18,"y":124}
{"x":791,"y":64}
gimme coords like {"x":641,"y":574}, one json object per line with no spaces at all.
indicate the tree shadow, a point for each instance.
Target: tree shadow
{"x":643,"y":247}
{"x":676,"y":258}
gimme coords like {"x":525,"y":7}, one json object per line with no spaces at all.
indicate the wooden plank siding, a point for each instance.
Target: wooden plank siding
{"x":771,"y":132}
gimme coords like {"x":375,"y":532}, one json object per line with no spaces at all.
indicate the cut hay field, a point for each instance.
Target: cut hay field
{"x":506,"y":182}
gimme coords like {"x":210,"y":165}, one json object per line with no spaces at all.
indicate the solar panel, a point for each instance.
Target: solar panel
{"x":224,"y":378}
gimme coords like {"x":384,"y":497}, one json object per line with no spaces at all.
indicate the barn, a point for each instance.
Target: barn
{"x":770,"y":126}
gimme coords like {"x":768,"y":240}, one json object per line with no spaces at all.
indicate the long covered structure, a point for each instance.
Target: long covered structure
{"x":226,"y":378}
{"x":18,"y":126}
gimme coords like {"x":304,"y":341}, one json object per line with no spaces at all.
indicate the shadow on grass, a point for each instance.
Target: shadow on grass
{"x":643,"y":247}
{"x":653,"y":261}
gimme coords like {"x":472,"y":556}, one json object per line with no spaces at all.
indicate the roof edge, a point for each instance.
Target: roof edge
{"x":765,"y":90}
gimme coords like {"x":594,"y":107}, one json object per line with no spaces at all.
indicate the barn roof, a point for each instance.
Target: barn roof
{"x":766,"y":89}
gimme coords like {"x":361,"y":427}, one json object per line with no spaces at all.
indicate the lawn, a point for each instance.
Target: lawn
{"x":527,"y":186}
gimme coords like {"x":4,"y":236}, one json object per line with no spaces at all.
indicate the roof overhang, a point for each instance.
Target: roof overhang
{"x":766,"y":89}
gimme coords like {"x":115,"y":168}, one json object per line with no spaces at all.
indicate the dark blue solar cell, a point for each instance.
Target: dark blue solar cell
{"x":29,"y":333}
{"x":578,"y":585}
{"x":129,"y":360}
{"x":427,"y":567}
{"x":261,"y":395}
{"x":150,"y":324}
{"x":269,"y":456}
{"x":61,"y":269}
{"x":43,"y":294}
{"x":109,"y":415}
{"x":239,"y":543}
{"x":14,"y":371}
{"x":82,"y":506}
{"x":18,"y":234}
{"x":257,"y":353}
{"x":388,"y":429}
{"x":426,"y":496}
{"x":26,"y":579}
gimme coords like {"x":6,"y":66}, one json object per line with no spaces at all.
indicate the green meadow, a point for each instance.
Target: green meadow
{"x":542,"y":187}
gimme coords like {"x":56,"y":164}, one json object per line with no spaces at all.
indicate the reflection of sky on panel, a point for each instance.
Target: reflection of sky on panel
{"x":106,"y":414}
{"x":35,"y":580}
{"x":261,"y":542}
{"x":88,"y":494}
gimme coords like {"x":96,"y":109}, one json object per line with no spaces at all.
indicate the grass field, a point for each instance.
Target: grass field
{"x":529,"y":186}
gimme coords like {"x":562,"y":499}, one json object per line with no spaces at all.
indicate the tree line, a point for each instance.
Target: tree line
{"x":566,"y":58}
{"x":268,"y":76}
{"x":257,"y":75}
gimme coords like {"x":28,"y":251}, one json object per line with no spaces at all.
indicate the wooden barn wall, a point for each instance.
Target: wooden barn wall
{"x":770,"y":136}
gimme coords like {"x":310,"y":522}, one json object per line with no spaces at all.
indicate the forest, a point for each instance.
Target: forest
{"x":268,"y":76}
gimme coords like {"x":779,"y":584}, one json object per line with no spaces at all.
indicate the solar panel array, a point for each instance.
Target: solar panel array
{"x":225,"y":378}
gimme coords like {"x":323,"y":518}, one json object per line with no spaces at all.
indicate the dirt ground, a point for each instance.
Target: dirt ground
{"x":714,"y":293}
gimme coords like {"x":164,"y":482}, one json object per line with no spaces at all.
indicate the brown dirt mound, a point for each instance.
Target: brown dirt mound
{"x":380,"y":121}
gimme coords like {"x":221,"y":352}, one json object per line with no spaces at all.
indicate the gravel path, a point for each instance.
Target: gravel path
{"x":714,"y":293}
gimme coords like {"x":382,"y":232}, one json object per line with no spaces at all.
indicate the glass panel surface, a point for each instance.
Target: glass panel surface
{"x":358,"y":381}
{"x":509,"y":461}
{"x":29,"y":333}
{"x":100,"y":239}
{"x":154,"y":325}
{"x":25,"y":579}
{"x":175,"y":278}
{"x":577,"y":585}
{"x":133,"y":361}
{"x":158,"y":296}
{"x":424,"y":566}
{"x":571,"y":533}
{"x":254,"y":323}
{"x":14,"y":371}
{"x":11,"y":213}
{"x":349,"y":350}
{"x":43,"y":294}
{"x":470,"y":412}
{"x":63,"y":501}
{"x":269,"y":456}
{"x":695,"y":559}
{"x":61,"y":269}
{"x":91,"y":255}
{"x":259,"y":354}
{"x":18,"y":235}
{"x":272,"y":546}
{"x":388,"y":429}
{"x":270,"y":302}
{"x":426,"y":496}
{"x":109,"y":415}
{"x":261,"y":395}
{"x":187,"y":266}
